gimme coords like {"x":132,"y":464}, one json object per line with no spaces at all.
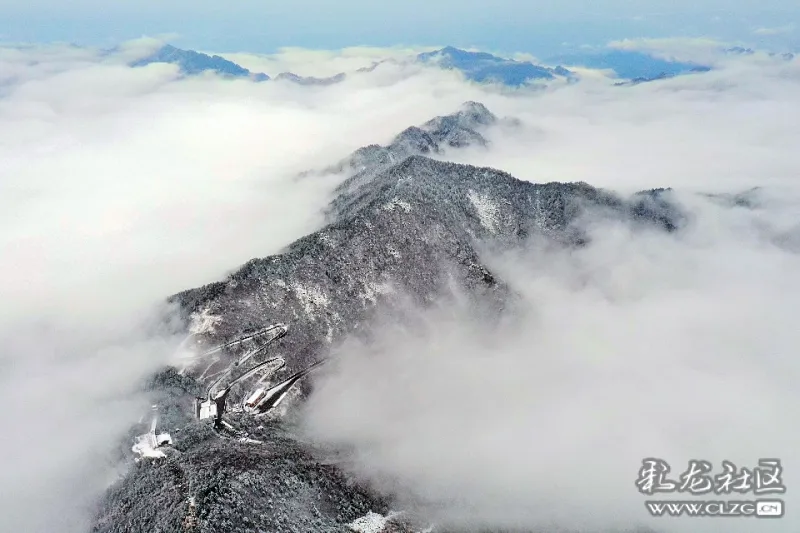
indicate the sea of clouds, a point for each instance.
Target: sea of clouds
{"x":121,"y":186}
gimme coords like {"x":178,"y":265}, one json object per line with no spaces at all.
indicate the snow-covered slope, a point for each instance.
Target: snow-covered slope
{"x":406,"y":228}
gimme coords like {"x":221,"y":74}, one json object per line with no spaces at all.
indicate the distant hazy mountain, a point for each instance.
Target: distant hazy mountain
{"x":661,"y":76}
{"x":738,"y":50}
{"x":633,"y":67}
{"x":630,"y":64}
{"x":310,"y":80}
{"x":484,"y":67}
{"x":193,"y":63}
{"x":786,"y":56}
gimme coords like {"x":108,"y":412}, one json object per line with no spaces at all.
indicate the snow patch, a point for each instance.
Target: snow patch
{"x":369,"y":523}
{"x":203,"y":322}
{"x":397,"y":202}
{"x":146,"y":446}
{"x":373,"y":289}
{"x":487,"y":211}
{"x":145,"y":450}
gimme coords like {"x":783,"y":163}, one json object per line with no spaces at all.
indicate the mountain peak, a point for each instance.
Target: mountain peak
{"x":311,"y":80}
{"x":191,"y":63}
{"x":462,"y":54}
{"x":484,"y":67}
{"x":477,"y":113}
{"x":458,"y":129}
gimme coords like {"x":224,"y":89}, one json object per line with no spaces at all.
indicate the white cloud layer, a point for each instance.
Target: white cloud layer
{"x":702,"y":50}
{"x":679,"y":347}
{"x":120,"y":186}
{"x":724,"y":130}
{"x":778,"y":30}
{"x":319,"y":63}
{"x":641,"y":345}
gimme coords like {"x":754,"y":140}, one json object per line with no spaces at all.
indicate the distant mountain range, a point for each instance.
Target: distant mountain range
{"x":630,"y":66}
{"x":311,"y":80}
{"x":483,"y":67}
{"x":740,"y":51}
{"x":476,"y":66}
{"x":192,"y":63}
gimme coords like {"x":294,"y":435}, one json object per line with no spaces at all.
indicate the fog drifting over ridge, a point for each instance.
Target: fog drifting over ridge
{"x":121,"y":186}
{"x":679,"y":347}
{"x":641,"y":345}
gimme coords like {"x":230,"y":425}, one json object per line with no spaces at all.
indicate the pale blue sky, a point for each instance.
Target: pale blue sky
{"x":539,"y":27}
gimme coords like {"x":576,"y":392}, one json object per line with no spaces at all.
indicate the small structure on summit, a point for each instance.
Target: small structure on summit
{"x":214,"y":405}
